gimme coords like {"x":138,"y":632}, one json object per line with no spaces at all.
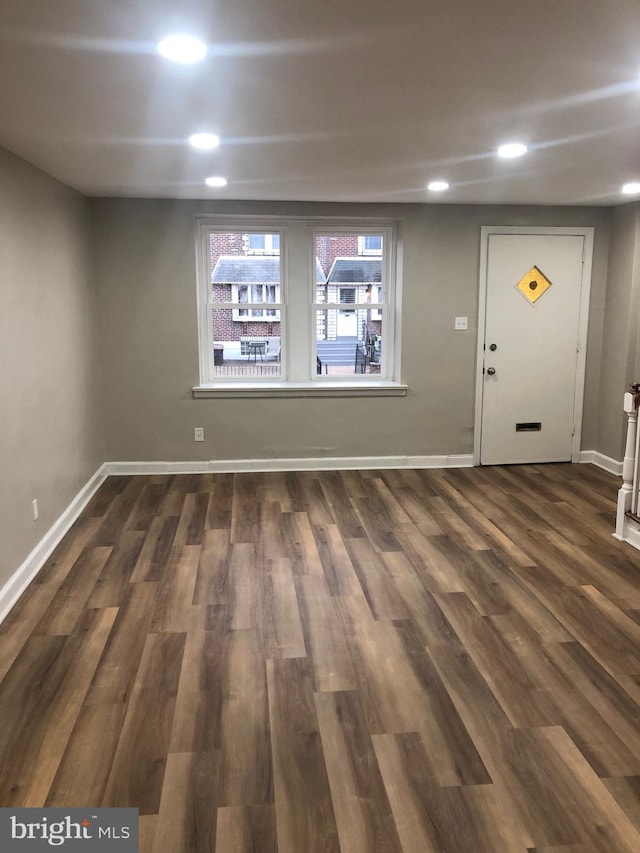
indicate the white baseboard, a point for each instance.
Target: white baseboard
{"x":602,"y":461}
{"x":349,"y":463}
{"x":630,"y":534}
{"x":20,"y":580}
{"x":116,"y":469}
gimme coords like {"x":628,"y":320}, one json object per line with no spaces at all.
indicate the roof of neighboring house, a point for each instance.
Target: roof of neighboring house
{"x":252,"y":269}
{"x":355,"y":270}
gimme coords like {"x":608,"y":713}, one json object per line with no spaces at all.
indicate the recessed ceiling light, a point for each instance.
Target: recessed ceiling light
{"x":216,"y":182}
{"x":631,"y":188}
{"x":204,"y":141}
{"x":512,"y":149}
{"x":438,"y":186}
{"x":185,"y":49}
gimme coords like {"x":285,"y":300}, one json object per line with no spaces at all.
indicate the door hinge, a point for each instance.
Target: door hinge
{"x":573,"y":430}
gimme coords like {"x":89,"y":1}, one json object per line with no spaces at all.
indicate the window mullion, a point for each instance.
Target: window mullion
{"x":299,"y":260}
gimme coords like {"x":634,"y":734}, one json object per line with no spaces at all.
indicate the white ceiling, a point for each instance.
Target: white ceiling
{"x":345,"y":100}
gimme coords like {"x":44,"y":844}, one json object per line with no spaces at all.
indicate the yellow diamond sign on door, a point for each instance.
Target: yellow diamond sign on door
{"x":533,"y":284}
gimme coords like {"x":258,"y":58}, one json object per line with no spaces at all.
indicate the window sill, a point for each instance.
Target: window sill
{"x":302,"y":389}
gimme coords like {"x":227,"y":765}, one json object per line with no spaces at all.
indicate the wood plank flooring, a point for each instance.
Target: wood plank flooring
{"x":442,"y":661}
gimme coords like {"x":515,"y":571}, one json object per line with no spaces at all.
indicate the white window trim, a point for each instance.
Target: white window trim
{"x":301,"y":389}
{"x":298,"y":310}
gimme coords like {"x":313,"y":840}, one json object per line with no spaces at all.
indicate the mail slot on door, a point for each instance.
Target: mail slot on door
{"x":529,"y":426}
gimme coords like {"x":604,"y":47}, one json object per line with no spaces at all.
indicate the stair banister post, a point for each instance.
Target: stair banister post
{"x":625,"y":493}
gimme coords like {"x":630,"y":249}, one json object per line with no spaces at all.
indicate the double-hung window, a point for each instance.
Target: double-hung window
{"x":297,"y":306}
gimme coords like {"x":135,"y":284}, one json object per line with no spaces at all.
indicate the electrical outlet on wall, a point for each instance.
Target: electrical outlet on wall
{"x":461,"y":324}
{"x":198,"y":433}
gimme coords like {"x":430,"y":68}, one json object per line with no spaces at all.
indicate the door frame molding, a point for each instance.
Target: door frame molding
{"x":583,"y":321}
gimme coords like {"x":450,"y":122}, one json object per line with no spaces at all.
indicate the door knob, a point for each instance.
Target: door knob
{"x":491,"y":370}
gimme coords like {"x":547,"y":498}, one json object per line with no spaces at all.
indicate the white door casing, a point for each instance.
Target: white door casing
{"x":539,"y":360}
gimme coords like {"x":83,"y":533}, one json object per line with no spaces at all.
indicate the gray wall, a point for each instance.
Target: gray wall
{"x":620,"y":363}
{"x":51,"y":431}
{"x":145,"y":267}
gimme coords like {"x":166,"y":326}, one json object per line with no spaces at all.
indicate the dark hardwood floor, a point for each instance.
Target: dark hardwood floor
{"x":441,"y":661}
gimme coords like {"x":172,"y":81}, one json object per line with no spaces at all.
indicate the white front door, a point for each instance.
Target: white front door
{"x":347,"y":323}
{"x":531,"y":384}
